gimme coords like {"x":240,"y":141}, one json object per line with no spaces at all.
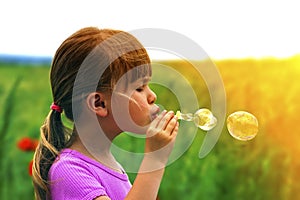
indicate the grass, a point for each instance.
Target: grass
{"x":24,"y":92}
{"x":266,"y":167}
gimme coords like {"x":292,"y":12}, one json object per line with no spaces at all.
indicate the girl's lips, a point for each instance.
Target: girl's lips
{"x":153,"y":116}
{"x":155,"y":111}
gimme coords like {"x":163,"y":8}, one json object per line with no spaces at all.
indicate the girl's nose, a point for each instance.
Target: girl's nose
{"x":151,"y":97}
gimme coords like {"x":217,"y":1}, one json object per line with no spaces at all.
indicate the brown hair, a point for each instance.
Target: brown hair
{"x":125,"y":52}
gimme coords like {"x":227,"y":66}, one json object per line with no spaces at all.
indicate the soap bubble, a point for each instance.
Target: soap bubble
{"x":242,"y":125}
{"x":204,"y":119}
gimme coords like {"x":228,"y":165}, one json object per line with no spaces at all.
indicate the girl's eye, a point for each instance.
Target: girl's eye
{"x":140,"y":89}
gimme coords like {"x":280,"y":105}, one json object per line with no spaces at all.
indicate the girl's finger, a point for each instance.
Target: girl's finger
{"x":156,"y":121}
{"x":165,"y":120}
{"x":171,"y":125}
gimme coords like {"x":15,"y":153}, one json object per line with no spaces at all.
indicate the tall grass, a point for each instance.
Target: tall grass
{"x":23,"y":95}
{"x":6,"y":123}
{"x":266,"y":167}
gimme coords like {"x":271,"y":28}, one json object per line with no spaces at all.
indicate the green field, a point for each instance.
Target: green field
{"x":267,"y":167}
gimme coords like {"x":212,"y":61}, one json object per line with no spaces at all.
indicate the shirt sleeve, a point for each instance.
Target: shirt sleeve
{"x":73,"y":179}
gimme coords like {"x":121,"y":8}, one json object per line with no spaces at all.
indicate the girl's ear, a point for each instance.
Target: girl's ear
{"x":96,"y":102}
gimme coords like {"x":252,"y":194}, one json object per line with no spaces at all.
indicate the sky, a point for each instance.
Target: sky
{"x":224,"y":29}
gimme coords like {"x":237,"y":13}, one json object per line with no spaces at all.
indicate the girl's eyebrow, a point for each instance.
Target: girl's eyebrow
{"x":144,"y":80}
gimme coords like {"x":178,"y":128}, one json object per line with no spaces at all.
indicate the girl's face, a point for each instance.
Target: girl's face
{"x":142,"y":106}
{"x":135,"y":106}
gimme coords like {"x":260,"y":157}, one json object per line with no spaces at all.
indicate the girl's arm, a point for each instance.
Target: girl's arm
{"x":159,"y":143}
{"x":145,"y":186}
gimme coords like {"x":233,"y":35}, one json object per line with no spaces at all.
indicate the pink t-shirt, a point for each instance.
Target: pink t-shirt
{"x":76,"y":176}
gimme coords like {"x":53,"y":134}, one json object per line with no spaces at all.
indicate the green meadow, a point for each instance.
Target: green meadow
{"x":266,"y":167}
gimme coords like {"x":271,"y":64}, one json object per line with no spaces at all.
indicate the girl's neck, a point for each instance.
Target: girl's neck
{"x":100,"y":154}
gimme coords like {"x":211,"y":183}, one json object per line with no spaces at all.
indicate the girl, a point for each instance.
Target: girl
{"x":99,"y":79}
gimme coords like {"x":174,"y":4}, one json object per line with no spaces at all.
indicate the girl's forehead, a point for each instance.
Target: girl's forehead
{"x":143,"y":80}
{"x":140,"y":81}
{"x":130,"y":85}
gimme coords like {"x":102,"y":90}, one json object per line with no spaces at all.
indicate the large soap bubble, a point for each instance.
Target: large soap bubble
{"x":242,"y":125}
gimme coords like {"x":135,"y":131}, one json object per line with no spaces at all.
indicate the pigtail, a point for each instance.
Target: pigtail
{"x":52,"y":140}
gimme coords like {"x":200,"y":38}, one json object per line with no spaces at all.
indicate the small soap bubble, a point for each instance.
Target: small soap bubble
{"x":204,"y":119}
{"x":242,"y":125}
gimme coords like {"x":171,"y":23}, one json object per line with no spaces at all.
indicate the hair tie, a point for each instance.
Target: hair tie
{"x":56,"y":108}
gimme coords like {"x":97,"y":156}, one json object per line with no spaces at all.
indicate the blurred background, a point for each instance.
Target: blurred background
{"x":255,"y":46}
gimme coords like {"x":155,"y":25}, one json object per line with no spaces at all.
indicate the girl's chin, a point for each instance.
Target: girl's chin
{"x":145,"y":122}
{"x":136,"y":126}
{"x":139,"y":129}
{"x":137,"y":132}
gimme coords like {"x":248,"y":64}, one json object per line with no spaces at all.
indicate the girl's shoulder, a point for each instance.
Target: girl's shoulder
{"x":71,"y":161}
{"x":72,"y":175}
{"x":72,"y":156}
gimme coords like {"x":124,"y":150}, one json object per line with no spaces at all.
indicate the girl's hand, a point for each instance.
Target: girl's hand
{"x":161,"y":137}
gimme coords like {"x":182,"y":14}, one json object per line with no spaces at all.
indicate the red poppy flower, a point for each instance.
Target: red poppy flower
{"x":27,"y":144}
{"x":30,"y":167}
